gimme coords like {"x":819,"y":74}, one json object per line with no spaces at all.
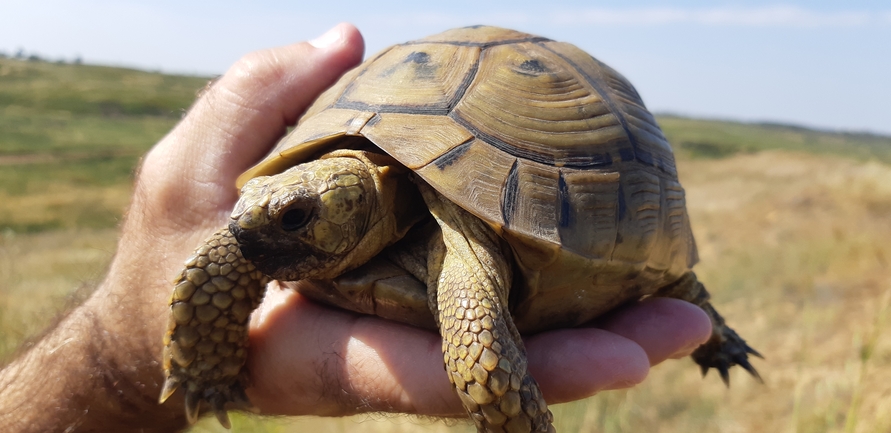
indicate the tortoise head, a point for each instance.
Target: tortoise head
{"x":317,"y":219}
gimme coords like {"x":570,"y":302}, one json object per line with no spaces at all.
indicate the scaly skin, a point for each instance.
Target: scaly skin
{"x":725,"y":348}
{"x":469,"y":279}
{"x":206,"y":341}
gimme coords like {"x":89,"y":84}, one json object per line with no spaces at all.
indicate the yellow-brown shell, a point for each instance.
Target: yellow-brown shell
{"x":551,"y":147}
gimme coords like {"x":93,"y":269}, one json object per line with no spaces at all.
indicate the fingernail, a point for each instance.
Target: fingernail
{"x":328,"y":39}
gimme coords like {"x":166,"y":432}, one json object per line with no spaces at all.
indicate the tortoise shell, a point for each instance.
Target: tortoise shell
{"x":552,"y":148}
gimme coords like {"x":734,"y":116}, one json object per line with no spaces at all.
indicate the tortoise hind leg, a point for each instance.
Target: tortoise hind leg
{"x":725,"y":348}
{"x":205,"y":347}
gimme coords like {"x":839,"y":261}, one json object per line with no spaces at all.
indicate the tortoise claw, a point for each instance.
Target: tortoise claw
{"x":724,"y":351}
{"x":193,"y":401}
{"x":751,"y":351}
{"x":217,"y":404}
{"x":170,"y":386}
{"x":724,"y":370}
{"x":744,"y":363}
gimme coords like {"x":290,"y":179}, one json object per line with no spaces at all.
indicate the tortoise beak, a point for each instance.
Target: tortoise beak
{"x":280,"y":258}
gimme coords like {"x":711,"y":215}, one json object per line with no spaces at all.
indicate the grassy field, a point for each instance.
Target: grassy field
{"x":791,"y":224}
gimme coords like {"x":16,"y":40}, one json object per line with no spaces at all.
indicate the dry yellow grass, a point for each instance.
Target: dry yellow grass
{"x":793,"y":248}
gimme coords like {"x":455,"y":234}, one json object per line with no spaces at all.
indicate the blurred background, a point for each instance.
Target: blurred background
{"x":779,"y":114}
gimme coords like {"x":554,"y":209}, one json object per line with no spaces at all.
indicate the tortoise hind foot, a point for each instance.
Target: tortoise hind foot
{"x":205,"y":347}
{"x":724,"y":350}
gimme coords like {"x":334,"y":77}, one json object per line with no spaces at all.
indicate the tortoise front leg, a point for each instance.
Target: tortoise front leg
{"x":206,"y":343}
{"x":469,"y":279}
{"x":725,"y":348}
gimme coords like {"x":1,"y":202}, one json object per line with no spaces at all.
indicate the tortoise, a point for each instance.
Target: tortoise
{"x":484,"y":182}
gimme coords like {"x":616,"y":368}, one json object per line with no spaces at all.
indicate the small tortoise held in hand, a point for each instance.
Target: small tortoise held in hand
{"x":503,"y":182}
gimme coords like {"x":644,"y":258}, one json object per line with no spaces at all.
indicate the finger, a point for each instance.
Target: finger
{"x":665,"y":328}
{"x":241,"y":117}
{"x":577,"y":363}
{"x":571,"y":364}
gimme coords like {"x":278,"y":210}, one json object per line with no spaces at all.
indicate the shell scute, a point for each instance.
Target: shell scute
{"x":474,"y":178}
{"x":590,"y":219}
{"x":542,"y":111}
{"x":528,"y":200}
{"x":648,"y":144}
{"x":415,"y":139}
{"x":422,"y":79}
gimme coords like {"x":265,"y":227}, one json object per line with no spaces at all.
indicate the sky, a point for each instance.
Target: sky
{"x":818,"y":64}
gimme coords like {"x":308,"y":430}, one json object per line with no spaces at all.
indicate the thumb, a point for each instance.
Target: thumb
{"x":239,"y":118}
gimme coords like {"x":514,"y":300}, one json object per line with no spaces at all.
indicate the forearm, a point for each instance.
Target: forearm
{"x":77,"y":378}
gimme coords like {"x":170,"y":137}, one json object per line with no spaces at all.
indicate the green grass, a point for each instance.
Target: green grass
{"x":71,"y":135}
{"x":95,"y":90}
{"x":699,"y":138}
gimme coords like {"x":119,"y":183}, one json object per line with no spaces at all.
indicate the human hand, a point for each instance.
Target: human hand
{"x":311,"y":359}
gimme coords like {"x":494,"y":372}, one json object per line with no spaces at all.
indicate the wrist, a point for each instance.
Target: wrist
{"x":84,"y":376}
{"x":124,"y":331}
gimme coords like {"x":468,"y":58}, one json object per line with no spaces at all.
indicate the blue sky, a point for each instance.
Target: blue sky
{"x":819,"y":63}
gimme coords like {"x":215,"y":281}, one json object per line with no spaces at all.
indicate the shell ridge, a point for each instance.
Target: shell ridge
{"x":466,"y":82}
{"x":590,"y":161}
{"x":450,"y":156}
{"x":532,"y":39}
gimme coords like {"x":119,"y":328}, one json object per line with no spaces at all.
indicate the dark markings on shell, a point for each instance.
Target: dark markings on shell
{"x":623,"y":207}
{"x":371,"y":122}
{"x":422,"y":65}
{"x":452,"y":155}
{"x":582,"y":162}
{"x":645,"y":157}
{"x":509,"y":195}
{"x":417,"y":57}
{"x":533,"y":66}
{"x":465,"y":83}
{"x":625,"y":153}
{"x":419,"y":61}
{"x":346,"y":90}
{"x":565,"y":203}
{"x":404,"y":109}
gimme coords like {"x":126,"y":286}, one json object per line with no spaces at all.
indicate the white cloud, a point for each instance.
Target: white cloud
{"x":768,"y":16}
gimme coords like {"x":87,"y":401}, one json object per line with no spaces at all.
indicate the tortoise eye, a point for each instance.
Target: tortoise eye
{"x":294,"y":219}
